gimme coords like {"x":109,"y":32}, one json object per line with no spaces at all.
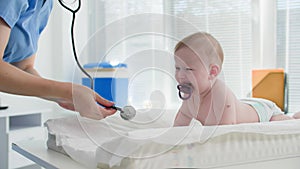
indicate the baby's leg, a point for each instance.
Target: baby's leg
{"x":297,"y":115}
{"x":281,"y":117}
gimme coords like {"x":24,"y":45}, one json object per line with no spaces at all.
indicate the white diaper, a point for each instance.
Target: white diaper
{"x":264,"y":108}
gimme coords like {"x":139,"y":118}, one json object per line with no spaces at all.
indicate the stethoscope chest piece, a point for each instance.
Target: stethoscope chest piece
{"x":128,"y":112}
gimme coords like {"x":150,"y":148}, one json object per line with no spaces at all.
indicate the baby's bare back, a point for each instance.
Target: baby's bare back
{"x":225,"y":108}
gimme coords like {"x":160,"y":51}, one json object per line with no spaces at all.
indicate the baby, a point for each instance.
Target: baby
{"x":198,"y":62}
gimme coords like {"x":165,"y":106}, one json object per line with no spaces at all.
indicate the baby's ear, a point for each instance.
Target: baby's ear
{"x":214,"y":70}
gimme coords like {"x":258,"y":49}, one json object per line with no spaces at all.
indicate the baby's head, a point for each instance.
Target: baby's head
{"x":205,"y":46}
{"x":198,"y":59}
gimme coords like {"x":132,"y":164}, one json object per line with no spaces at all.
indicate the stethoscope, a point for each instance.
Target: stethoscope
{"x":128,"y":112}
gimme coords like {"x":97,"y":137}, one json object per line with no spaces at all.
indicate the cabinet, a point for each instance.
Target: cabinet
{"x":19,"y":123}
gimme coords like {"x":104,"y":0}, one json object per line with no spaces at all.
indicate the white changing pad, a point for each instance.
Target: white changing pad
{"x":144,"y":143}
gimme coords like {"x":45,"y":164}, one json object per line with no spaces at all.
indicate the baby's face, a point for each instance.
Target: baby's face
{"x":190,"y":70}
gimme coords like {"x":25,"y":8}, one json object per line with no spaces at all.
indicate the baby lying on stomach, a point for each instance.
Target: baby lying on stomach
{"x":198,"y":62}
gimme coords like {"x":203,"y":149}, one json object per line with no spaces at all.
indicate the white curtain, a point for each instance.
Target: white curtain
{"x":288,"y":47}
{"x":230,"y":21}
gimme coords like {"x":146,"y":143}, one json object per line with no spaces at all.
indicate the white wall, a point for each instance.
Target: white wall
{"x":55,"y":44}
{"x":56,"y":58}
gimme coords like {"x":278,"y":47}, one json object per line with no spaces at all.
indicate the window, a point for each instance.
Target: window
{"x":288,"y":47}
{"x":228,"y":20}
{"x":132,"y":32}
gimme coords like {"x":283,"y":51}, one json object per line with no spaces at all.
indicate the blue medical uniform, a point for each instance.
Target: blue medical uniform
{"x":27,"y":19}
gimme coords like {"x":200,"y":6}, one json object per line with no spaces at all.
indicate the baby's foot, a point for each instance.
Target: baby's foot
{"x":281,"y":117}
{"x":297,"y":115}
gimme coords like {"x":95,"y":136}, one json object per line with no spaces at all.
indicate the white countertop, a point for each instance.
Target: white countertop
{"x":38,"y":152}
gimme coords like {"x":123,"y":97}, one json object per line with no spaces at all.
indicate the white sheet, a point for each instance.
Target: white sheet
{"x":113,"y":142}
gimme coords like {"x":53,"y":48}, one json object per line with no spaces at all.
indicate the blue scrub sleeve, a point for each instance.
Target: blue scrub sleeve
{"x":11,"y":10}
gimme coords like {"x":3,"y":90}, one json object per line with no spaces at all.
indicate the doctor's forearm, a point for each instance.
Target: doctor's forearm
{"x":16,"y":81}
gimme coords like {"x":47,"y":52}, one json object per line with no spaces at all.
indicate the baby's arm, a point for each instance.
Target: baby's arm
{"x":182,"y":119}
{"x":229,"y":115}
{"x":226,"y":112}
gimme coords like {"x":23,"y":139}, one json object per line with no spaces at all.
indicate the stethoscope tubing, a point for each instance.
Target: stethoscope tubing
{"x":74,"y":11}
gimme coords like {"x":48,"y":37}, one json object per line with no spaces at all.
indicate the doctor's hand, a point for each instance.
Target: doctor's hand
{"x":84,"y":100}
